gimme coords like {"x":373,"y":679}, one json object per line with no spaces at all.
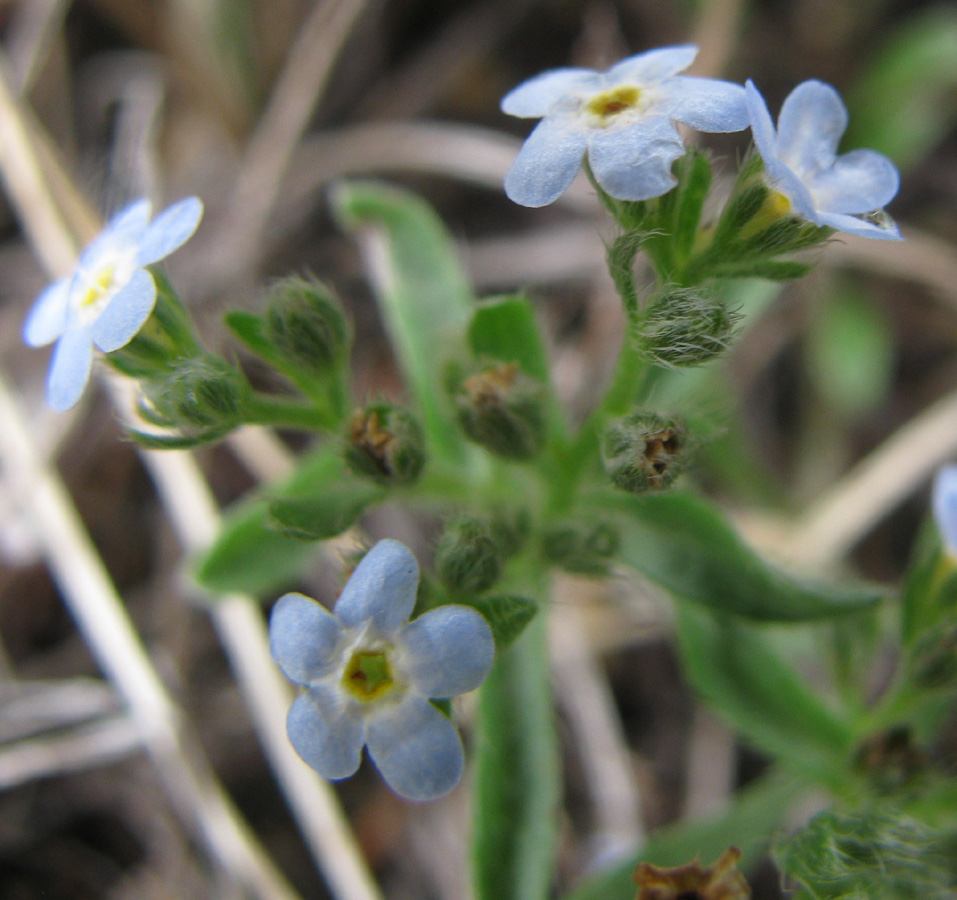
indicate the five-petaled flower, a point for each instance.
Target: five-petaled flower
{"x":846,"y":192}
{"x":109,"y":296}
{"x":369,"y":674}
{"x":624,"y":120}
{"x":944,"y":502}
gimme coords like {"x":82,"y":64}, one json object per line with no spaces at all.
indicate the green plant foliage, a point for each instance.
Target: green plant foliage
{"x":874,"y":854}
{"x":734,"y":668}
{"x":516,"y":777}
{"x":424,"y":297}
{"x":685,"y":544}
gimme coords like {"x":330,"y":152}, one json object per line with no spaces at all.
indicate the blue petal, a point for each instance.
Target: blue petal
{"x":48,"y":318}
{"x":449,"y":651}
{"x":169,"y":230}
{"x":634,"y":163}
{"x":812,"y":119}
{"x":303,"y":637}
{"x":653,"y":65}
{"x":417,"y":750}
{"x":704,"y":104}
{"x":547,"y":163}
{"x":944,"y":501}
{"x":861,"y":228}
{"x":762,"y":125}
{"x":327,"y":735}
{"x":70,"y":368}
{"x":859,"y":182}
{"x":126,"y":313}
{"x":536,"y":97}
{"x":122,"y":232}
{"x":382,"y":589}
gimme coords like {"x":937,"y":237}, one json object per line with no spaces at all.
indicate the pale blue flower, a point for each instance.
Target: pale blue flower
{"x":944,"y":502}
{"x":109,"y":296}
{"x":369,"y":674}
{"x":623,"y":119}
{"x":846,"y":192}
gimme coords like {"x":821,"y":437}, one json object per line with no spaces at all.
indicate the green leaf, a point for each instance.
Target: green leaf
{"x":250,"y":557}
{"x":507,"y":616}
{"x":748,"y":824}
{"x":504,"y":329}
{"x":422,"y":292}
{"x":733,"y":667}
{"x":772,"y":269}
{"x":877,"y":854}
{"x":694,"y":174}
{"x":323,"y":514}
{"x":516,"y":779}
{"x":686,"y":545}
{"x":250,"y":329}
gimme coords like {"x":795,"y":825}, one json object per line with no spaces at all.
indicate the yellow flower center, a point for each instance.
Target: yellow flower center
{"x":98,"y":287}
{"x":606,"y":107}
{"x":368,"y":675}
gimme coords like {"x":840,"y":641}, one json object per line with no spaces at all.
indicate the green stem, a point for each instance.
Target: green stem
{"x":277,"y":412}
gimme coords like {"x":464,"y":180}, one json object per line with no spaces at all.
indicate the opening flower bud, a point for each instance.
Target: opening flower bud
{"x":585,"y":548}
{"x":385,"y":443}
{"x":470,"y":555}
{"x":305,"y":321}
{"x":503,"y":409}
{"x":202,"y":392}
{"x":644,"y":452}
{"x":682,"y":328}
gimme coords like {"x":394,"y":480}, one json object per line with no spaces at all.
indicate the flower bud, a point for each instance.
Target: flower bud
{"x":682,"y":328}
{"x":583,"y":548}
{"x":305,"y":321}
{"x":385,"y":443}
{"x":469,"y":556}
{"x":644,"y":452}
{"x":202,"y":392}
{"x":502,"y":409}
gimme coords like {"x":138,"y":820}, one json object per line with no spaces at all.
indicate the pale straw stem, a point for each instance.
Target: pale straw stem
{"x":102,"y":619}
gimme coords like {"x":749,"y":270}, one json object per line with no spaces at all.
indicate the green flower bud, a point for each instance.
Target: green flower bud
{"x":202,"y":392}
{"x":644,"y":452}
{"x":385,"y":443}
{"x":503,"y":409}
{"x":305,"y":321}
{"x":682,"y":328}
{"x":469,"y":556}
{"x":583,"y":548}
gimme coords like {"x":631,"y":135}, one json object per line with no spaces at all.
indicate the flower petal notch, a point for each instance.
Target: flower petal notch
{"x":847,"y":192}
{"x":623,"y":119}
{"x":369,"y":675}
{"x":109,"y":296}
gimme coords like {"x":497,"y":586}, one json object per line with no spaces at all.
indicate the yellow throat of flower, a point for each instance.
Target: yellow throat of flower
{"x":368,"y":675}
{"x":98,"y":287}
{"x":607,"y":106}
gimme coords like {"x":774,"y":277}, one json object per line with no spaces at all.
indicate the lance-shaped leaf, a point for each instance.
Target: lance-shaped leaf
{"x":422,"y":292}
{"x":685,"y":544}
{"x":516,"y":779}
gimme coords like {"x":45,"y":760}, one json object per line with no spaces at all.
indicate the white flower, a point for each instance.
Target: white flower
{"x":369,"y":674}
{"x":622,"y":118}
{"x":109,"y":296}
{"x":845,"y":192}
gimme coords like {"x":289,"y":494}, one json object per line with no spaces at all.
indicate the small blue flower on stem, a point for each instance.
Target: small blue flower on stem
{"x":369,"y":675}
{"x":109,"y":296}
{"x":944,"y":502}
{"x":846,"y":192}
{"x":624,"y":120}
